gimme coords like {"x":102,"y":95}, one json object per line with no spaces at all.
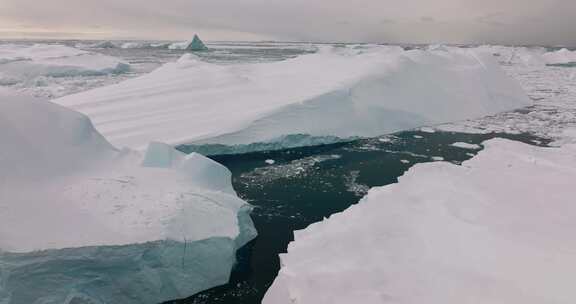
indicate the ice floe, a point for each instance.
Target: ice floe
{"x":464,"y":145}
{"x":343,"y":92}
{"x":83,"y":222}
{"x":497,"y":229}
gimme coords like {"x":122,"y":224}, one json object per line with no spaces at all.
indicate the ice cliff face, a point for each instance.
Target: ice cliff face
{"x":339,"y":92}
{"x":83,"y":222}
{"x":497,"y":229}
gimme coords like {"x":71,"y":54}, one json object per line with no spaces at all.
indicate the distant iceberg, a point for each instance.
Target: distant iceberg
{"x":342,"y":92}
{"x":196,"y":45}
{"x":193,"y":45}
{"x":497,"y":229}
{"x":25,"y":62}
{"x":83,"y":222}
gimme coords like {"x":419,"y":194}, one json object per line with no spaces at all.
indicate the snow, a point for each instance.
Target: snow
{"x":20,"y":63}
{"x":561,"y":57}
{"x":464,"y":145}
{"x":343,"y":92}
{"x":81,"y":221}
{"x":498,"y":229}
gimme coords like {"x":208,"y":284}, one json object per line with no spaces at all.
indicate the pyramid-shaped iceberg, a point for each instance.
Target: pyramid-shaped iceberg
{"x":196,"y":45}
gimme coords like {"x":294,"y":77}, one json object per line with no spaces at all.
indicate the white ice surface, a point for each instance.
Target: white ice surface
{"x":498,"y":229}
{"x":340,"y":92}
{"x":80,"y":219}
{"x":25,"y":62}
{"x":468,"y":146}
{"x":513,"y":55}
{"x":562,"y":56}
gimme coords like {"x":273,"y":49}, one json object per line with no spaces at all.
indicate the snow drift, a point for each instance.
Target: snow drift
{"x":23,"y":62}
{"x":498,"y":229}
{"x":338,"y":91}
{"x":82,"y":222}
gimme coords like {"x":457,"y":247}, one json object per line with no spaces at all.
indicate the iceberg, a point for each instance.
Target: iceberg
{"x":25,"y":62}
{"x":84,"y":222}
{"x":561,"y":57}
{"x":497,"y":229}
{"x":338,"y":91}
{"x":196,"y":45}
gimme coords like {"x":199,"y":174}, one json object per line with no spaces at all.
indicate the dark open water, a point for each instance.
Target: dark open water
{"x":304,"y":185}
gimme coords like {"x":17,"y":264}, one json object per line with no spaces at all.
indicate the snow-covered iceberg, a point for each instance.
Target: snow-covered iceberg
{"x":561,"y":57}
{"x":341,"y":92}
{"x":20,"y":62}
{"x":498,"y":229}
{"x":83,"y":222}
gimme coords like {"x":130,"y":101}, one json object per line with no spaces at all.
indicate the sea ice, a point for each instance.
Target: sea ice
{"x":26,"y":62}
{"x":83,"y":222}
{"x":561,"y":57}
{"x":497,"y":229}
{"x":343,"y":92}
{"x":196,"y":45}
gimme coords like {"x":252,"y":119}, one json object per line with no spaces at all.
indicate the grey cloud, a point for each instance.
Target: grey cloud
{"x":465,"y":21}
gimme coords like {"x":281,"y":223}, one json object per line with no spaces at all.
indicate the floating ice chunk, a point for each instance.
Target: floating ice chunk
{"x":498,"y":229}
{"x":367,"y":92}
{"x":464,"y":145}
{"x":196,"y":45}
{"x":511,"y":55}
{"x":437,"y":158}
{"x":427,"y":130}
{"x":82,"y":222}
{"x":270,"y":161}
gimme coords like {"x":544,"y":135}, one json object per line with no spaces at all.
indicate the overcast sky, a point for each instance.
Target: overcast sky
{"x":430,"y":21}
